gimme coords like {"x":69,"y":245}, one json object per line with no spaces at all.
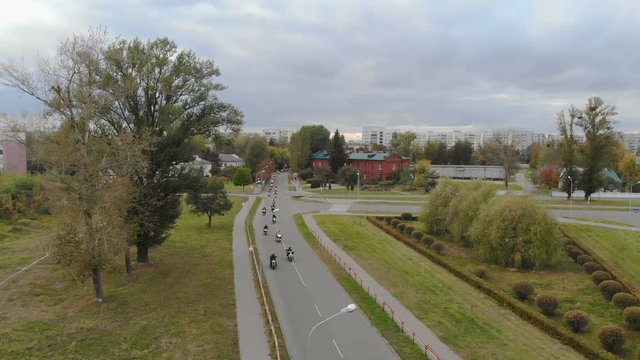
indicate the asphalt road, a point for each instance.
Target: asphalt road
{"x":305,"y":293}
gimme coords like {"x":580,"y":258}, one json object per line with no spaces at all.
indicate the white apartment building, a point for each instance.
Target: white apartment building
{"x":376,"y":135}
{"x":631,"y":141}
{"x":276,"y":134}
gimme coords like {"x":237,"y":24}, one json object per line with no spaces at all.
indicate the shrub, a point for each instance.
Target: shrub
{"x":624,"y":300}
{"x":395,"y":222}
{"x":591,"y":267}
{"x":583,"y":259}
{"x":523,"y":290}
{"x":608,"y":288}
{"x":401,"y":226}
{"x":406,"y":216}
{"x":388,"y":220}
{"x":305,"y":174}
{"x":465,"y":208}
{"x":315,"y":182}
{"x":514,"y":217}
{"x":574,"y":252}
{"x":417,"y":234}
{"x":480,"y":272}
{"x":600,"y":276}
{"x":631,"y":316}
{"x":611,"y":337}
{"x":576,"y":319}
{"x":435,"y":214}
{"x":428,"y":240}
{"x":547,"y":304}
{"x":438,"y":247}
{"x":409,"y":229}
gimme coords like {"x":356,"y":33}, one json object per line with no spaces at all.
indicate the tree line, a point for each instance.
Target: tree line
{"x":128,"y":113}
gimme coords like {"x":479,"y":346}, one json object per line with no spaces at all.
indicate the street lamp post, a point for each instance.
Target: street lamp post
{"x":349,"y":308}
{"x":358,"y":186}
{"x":570,"y":194}
{"x":630,"y":189}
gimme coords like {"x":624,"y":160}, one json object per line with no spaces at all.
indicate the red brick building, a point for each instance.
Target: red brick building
{"x":375,"y":165}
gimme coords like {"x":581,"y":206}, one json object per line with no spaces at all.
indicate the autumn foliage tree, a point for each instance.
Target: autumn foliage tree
{"x":549,"y":177}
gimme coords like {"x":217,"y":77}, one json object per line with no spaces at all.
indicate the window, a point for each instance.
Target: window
{"x":380,"y":166}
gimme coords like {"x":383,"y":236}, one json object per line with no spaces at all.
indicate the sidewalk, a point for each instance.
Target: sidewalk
{"x":251,"y":331}
{"x":409,"y":319}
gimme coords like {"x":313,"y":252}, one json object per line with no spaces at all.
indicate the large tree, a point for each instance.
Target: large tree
{"x":568,"y":149}
{"x":498,"y":153}
{"x":242,"y":177}
{"x":401,"y":142}
{"x":256,"y":152}
{"x":169,"y":94}
{"x":596,"y":121}
{"x":90,"y":166}
{"x":305,"y":142}
{"x":461,"y":153}
{"x":436,"y":152}
{"x":209,"y":198}
{"x":337,"y":152}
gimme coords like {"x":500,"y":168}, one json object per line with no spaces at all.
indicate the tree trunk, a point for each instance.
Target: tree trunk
{"x":97,"y":283}
{"x":142,"y":257}
{"x":209,"y":221}
{"x":127,"y":258}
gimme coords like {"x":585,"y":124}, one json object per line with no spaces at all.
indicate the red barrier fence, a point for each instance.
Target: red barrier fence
{"x":428,"y":350}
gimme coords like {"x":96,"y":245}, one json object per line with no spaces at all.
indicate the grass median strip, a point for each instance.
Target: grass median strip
{"x":464,"y":318}
{"x":402,"y":345}
{"x":181,"y":306}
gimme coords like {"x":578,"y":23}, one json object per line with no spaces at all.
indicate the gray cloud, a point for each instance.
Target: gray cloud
{"x":405,"y":63}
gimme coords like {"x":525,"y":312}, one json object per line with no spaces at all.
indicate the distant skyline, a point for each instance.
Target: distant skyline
{"x":346,"y":64}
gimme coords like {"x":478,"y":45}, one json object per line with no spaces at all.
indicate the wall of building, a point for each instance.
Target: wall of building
{"x":14,"y":156}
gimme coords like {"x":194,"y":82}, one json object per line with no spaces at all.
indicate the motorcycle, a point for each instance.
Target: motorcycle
{"x":264,"y":211}
{"x":273,"y":264}
{"x":265,"y":230}
{"x":279,"y":237}
{"x":273,"y":219}
{"x":290,"y":256}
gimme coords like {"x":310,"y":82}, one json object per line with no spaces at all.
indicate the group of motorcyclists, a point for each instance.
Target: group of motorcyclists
{"x":289,"y":251}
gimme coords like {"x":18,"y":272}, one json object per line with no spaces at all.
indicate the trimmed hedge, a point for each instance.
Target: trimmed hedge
{"x":406,"y":216}
{"x":576,"y":319}
{"x":409,"y":229}
{"x":438,"y":247}
{"x":522,"y":310}
{"x":401,"y":226}
{"x":591,"y":267}
{"x":428,"y":240}
{"x":599,"y":276}
{"x":480,"y":272}
{"x":582,"y":259}
{"x":608,"y":288}
{"x":417,"y":234}
{"x":631,"y":317}
{"x":611,"y":337}
{"x":548,"y":304}
{"x":574,"y":252}
{"x":388,"y":220}
{"x":523,"y":290}
{"x":395,"y":222}
{"x":624,"y":300}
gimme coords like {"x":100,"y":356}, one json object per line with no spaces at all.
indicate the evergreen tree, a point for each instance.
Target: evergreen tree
{"x":209,"y":198}
{"x":337,"y":153}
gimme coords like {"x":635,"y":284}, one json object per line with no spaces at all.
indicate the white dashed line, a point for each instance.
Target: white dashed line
{"x":337,"y":348}
{"x":318,"y":310}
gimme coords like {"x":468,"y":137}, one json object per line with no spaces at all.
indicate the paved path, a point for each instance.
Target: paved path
{"x":304,"y":292}
{"x":251,"y":331}
{"x":421,"y":330}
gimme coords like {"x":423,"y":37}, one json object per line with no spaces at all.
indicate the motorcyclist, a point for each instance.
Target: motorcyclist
{"x":290,"y":251}
{"x":278,"y":235}
{"x":265,"y":229}
{"x":264,"y":210}
{"x":272,"y":259}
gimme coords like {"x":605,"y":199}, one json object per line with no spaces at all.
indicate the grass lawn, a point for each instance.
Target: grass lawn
{"x":400,"y":342}
{"x":181,"y":306}
{"x":619,"y":248}
{"x":594,"y":202}
{"x":600,"y":221}
{"x":21,"y":244}
{"x":468,"y":321}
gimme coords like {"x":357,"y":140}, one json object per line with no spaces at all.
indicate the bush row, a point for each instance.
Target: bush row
{"x":520,"y":309}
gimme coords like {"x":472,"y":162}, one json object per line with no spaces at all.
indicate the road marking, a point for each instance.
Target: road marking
{"x":318,"y":310}
{"x":300,"y":276}
{"x":337,"y":348}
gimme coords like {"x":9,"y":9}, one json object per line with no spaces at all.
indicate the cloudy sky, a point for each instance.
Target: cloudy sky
{"x":348,"y":63}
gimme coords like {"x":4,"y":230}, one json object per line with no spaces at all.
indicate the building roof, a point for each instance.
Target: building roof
{"x":320,"y":155}
{"x":199,"y":161}
{"x":611,"y":174}
{"x":230,"y":158}
{"x":376,"y":156}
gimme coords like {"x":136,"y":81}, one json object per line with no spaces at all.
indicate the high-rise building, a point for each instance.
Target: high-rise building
{"x":276,"y":134}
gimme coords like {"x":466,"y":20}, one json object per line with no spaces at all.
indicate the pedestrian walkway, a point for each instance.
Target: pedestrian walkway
{"x":593,"y":223}
{"x":409,"y":320}
{"x":251,"y":331}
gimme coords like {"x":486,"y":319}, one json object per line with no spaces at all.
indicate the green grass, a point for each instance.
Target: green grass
{"x":21,"y":244}
{"x":600,"y":221}
{"x":619,"y":248}
{"x":594,"y":202}
{"x":181,"y":306}
{"x":400,"y":342}
{"x":468,"y":321}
